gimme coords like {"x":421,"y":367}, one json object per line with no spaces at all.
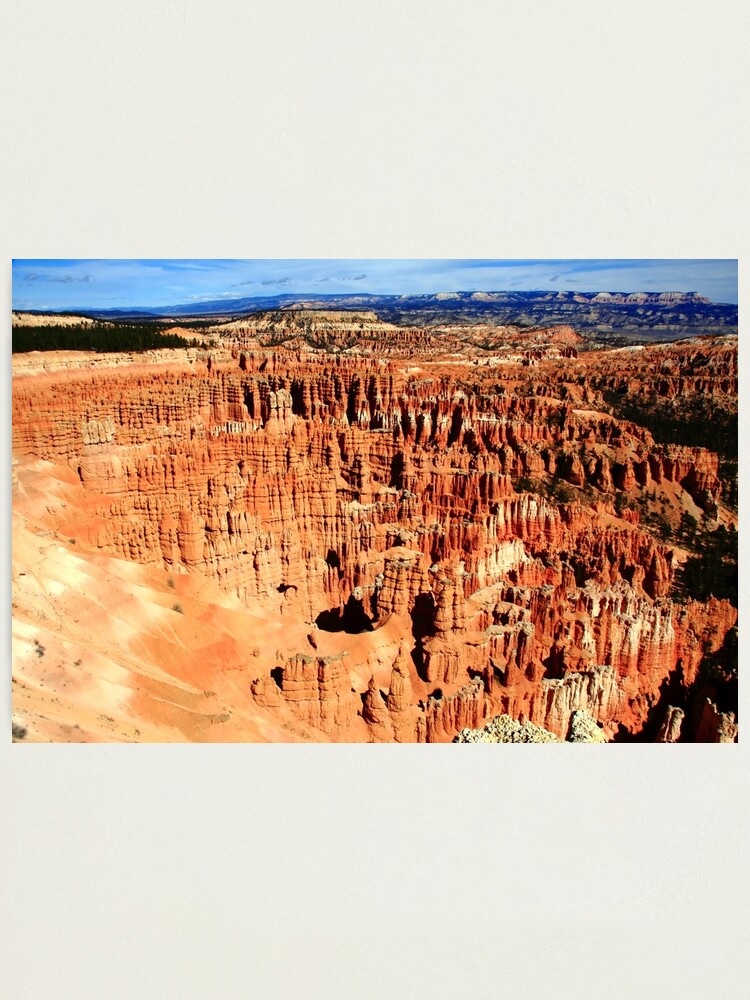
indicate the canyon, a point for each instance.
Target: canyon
{"x":319,"y":526}
{"x":603,"y":315}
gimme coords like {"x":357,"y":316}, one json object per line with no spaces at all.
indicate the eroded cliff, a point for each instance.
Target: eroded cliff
{"x":441,"y":543}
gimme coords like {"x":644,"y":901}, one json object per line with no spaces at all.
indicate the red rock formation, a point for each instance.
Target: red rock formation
{"x":468,"y":708}
{"x":715,"y":726}
{"x":348,"y":491}
{"x":392,"y":716}
{"x":376,"y":714}
{"x":317,"y":690}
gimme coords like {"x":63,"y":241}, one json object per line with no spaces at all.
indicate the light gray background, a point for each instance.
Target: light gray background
{"x":406,"y":129}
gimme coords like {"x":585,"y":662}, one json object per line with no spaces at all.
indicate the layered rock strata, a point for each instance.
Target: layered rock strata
{"x":348,"y":492}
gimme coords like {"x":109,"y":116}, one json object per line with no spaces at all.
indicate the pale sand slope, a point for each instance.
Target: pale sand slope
{"x":100,"y":652}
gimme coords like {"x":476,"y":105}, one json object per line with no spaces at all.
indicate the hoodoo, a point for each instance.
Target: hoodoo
{"x":354,"y":534}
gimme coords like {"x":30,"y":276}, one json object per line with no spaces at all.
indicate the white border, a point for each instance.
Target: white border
{"x":391,"y":129}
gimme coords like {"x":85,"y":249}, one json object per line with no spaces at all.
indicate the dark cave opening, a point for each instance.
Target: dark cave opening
{"x":278,"y":676}
{"x":352,"y":619}
{"x":422,"y":624}
{"x":397,"y":471}
{"x":332,"y":560}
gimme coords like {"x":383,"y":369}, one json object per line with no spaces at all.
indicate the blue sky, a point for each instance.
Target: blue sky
{"x":115,"y":284}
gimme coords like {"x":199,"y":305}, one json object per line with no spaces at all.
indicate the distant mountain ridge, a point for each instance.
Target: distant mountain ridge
{"x":647,"y":314}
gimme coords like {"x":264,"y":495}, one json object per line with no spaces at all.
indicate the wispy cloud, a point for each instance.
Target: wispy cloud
{"x":340,"y":277}
{"x":66,"y":279}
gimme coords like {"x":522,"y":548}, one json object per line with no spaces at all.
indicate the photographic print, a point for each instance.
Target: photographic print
{"x":374,"y":501}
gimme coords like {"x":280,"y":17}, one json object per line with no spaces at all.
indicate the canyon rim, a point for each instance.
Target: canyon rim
{"x":386,"y":511}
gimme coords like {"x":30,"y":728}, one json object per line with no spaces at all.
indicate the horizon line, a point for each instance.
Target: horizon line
{"x":216,"y":299}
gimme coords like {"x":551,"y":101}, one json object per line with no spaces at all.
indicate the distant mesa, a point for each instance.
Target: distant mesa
{"x":647,"y":315}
